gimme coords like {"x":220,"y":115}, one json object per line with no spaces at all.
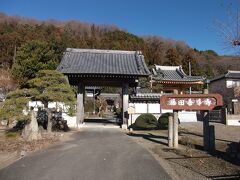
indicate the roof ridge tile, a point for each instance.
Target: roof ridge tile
{"x":72,"y":50}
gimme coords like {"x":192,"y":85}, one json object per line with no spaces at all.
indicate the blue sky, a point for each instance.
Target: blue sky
{"x":186,"y":20}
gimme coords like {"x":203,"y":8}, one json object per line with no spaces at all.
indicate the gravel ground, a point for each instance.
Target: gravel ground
{"x":190,"y":162}
{"x":222,"y":132}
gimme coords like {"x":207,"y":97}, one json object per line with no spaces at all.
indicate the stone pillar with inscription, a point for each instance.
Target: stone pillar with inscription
{"x":125,"y":104}
{"x":80,"y":106}
{"x":175,"y":125}
{"x":170,"y":131}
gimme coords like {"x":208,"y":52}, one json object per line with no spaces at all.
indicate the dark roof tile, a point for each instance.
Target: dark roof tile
{"x":173,"y":73}
{"x":228,"y":74}
{"x":93,"y":61}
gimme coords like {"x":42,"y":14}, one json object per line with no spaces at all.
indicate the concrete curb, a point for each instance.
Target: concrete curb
{"x":6,"y":159}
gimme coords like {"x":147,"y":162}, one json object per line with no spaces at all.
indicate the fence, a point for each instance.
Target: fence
{"x":218,"y":116}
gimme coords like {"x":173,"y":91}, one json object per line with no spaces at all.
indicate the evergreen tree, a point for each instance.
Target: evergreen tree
{"x":47,"y":86}
{"x":15,"y":103}
{"x":32,"y":57}
{"x":52,"y":86}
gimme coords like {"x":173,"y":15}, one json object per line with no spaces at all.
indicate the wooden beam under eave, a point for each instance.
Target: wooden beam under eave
{"x":178,"y":82}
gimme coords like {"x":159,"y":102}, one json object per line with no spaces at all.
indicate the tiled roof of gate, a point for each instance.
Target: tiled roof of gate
{"x":145,"y":97}
{"x":94,"y":61}
{"x":173,"y":73}
{"x":228,"y":74}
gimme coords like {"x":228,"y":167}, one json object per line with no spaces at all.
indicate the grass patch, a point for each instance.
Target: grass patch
{"x":9,"y":134}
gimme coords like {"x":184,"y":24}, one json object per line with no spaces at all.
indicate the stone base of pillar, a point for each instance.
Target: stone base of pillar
{"x":80,"y":125}
{"x":124,"y":126}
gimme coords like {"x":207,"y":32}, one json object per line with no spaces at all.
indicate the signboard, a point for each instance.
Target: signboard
{"x":191,"y":101}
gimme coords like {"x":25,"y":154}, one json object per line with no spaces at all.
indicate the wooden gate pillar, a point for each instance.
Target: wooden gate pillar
{"x":206,"y":126}
{"x":80,"y":104}
{"x":206,"y":130}
{"x":125,"y":104}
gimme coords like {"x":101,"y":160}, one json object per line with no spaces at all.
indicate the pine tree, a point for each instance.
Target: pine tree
{"x":52,"y":86}
{"x":47,"y":86}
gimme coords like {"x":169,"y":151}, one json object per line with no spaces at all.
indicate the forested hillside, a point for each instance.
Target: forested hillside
{"x":40,"y":44}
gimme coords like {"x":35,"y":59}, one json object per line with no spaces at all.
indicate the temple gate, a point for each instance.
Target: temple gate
{"x":93,"y":67}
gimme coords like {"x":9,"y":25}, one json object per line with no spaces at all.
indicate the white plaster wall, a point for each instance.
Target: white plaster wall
{"x":233,"y":122}
{"x":145,"y":108}
{"x":229,"y":83}
{"x":167,"y":110}
{"x":184,"y":116}
{"x":232,"y":83}
{"x":36,"y":104}
{"x":71,"y":120}
{"x":187,"y":116}
{"x":140,"y":107}
{"x":154,"y":108}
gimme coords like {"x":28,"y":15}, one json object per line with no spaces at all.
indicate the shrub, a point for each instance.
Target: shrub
{"x":163,"y":120}
{"x":146,"y":122}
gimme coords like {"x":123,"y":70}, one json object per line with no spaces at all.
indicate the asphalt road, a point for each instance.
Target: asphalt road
{"x":95,"y":154}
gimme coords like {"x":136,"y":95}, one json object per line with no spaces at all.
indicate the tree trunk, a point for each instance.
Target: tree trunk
{"x":49,"y":126}
{"x":30,"y":131}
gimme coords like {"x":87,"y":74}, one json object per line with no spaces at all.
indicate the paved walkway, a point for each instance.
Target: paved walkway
{"x":95,"y":154}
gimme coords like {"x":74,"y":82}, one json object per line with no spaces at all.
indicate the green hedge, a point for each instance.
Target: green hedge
{"x":146,"y":122}
{"x":163,"y":120}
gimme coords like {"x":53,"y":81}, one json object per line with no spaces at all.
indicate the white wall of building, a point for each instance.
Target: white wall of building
{"x":145,"y":107}
{"x":233,"y":122}
{"x":155,"y":109}
{"x":232,"y":83}
{"x":57,"y":105}
{"x":139,"y":107}
{"x":71,"y":120}
{"x":187,"y":116}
